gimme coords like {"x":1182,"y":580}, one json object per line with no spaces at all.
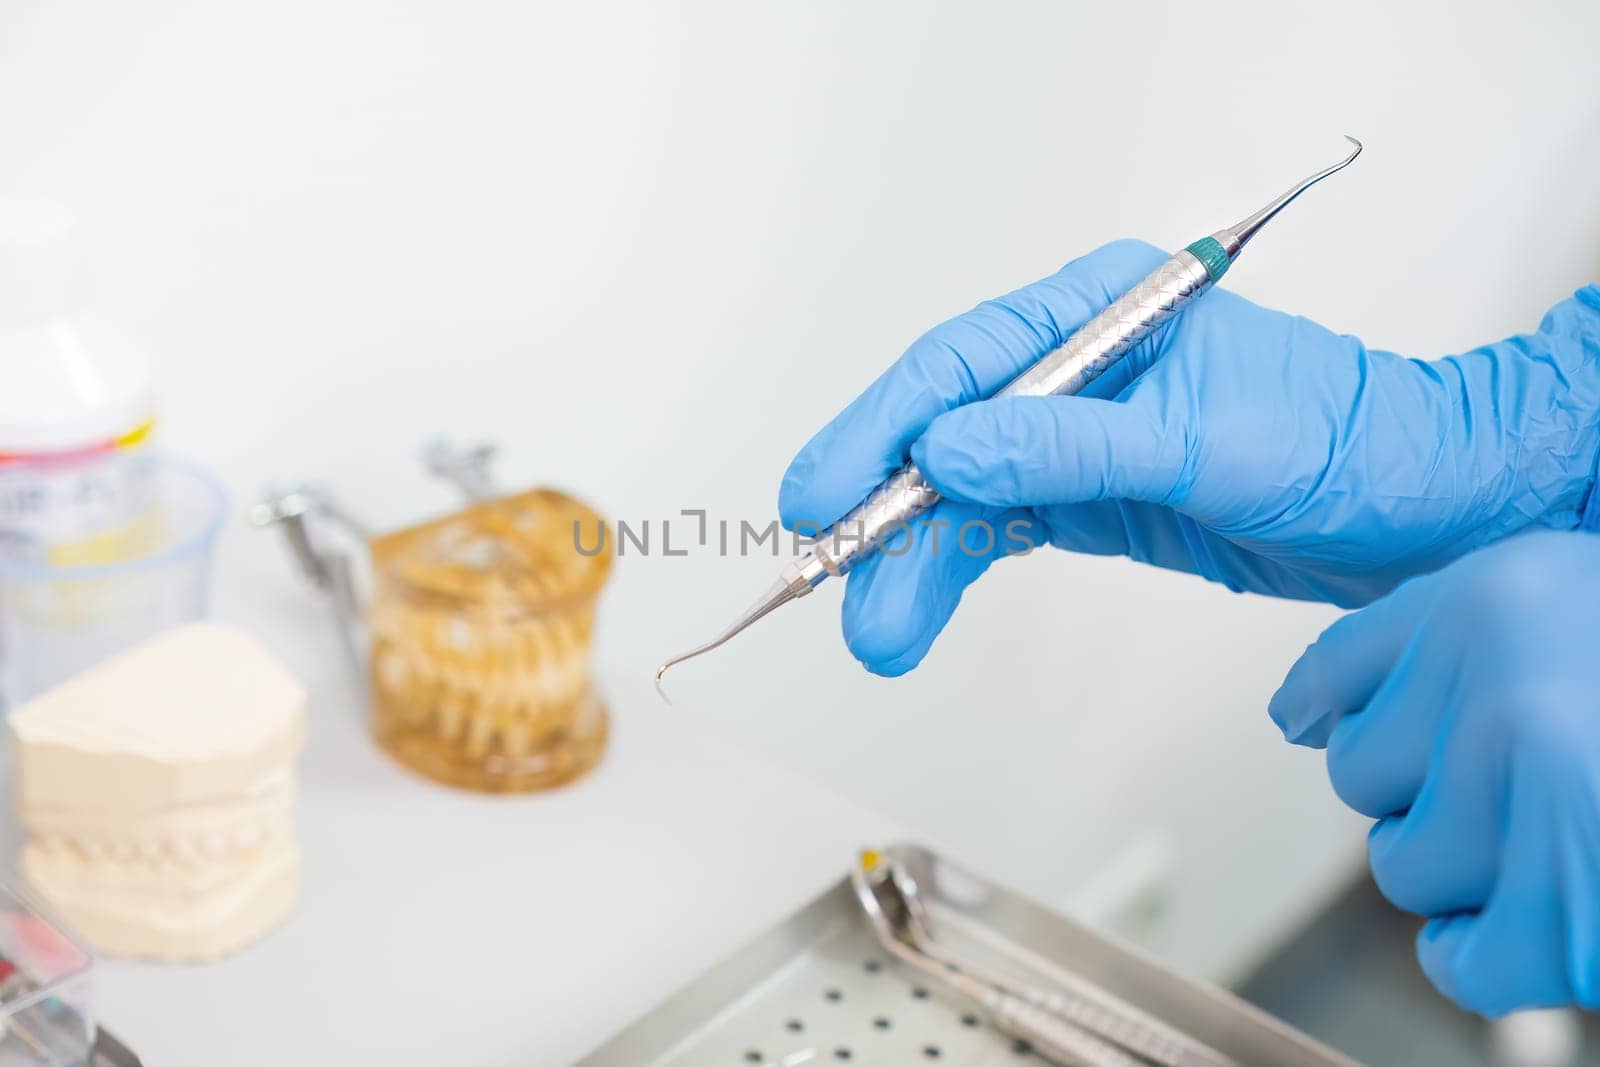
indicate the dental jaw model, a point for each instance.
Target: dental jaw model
{"x":158,"y":788}
{"x":474,"y":640}
{"x":481,"y":625}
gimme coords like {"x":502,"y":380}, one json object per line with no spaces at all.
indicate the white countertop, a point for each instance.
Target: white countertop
{"x":441,"y":927}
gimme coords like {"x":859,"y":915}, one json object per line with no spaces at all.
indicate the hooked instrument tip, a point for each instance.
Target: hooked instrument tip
{"x":780,"y":593}
{"x":1240,"y":233}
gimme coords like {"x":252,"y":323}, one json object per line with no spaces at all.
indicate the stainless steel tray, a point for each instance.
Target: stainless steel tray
{"x":818,"y":990}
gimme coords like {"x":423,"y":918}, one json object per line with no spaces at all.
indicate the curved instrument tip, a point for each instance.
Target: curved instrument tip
{"x":780,"y":593}
{"x":1238,"y":235}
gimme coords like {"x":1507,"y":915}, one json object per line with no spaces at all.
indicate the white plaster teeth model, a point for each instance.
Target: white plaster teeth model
{"x":159,"y":790}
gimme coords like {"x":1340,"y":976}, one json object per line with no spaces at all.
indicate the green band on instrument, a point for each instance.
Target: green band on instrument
{"x":1211,"y":255}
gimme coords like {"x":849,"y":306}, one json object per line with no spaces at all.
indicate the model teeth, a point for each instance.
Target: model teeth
{"x":182,"y":850}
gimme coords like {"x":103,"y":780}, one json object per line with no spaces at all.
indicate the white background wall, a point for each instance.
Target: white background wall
{"x":650,"y":247}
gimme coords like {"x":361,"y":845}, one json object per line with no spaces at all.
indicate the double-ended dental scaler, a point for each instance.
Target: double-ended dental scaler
{"x":1086,"y":355}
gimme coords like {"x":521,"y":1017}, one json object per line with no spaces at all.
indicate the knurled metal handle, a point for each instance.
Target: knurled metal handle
{"x":1086,"y":355}
{"x":1132,"y":1034}
{"x":890,"y":509}
{"x":1053,"y":1037}
{"x":1107,"y":337}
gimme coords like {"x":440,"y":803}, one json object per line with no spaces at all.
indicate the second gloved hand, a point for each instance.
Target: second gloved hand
{"x":1462,"y":712}
{"x":1252,"y":447}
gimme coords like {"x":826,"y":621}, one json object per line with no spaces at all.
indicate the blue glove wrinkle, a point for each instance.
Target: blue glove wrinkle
{"x":1098,"y":529}
{"x":1545,"y":388}
{"x":1205,"y":564}
{"x":1031,"y":315}
{"x":1585,"y":312}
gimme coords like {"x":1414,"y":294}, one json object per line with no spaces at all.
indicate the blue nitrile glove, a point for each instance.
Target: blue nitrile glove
{"x":1462,"y":711}
{"x":1249,"y":446}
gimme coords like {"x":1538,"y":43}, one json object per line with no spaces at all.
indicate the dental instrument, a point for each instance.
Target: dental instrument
{"x":1091,"y":1022}
{"x":1076,"y":1001}
{"x":1059,"y":1040}
{"x":1088,"y":353}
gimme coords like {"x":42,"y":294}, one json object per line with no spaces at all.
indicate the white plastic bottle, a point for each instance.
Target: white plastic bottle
{"x":76,"y":404}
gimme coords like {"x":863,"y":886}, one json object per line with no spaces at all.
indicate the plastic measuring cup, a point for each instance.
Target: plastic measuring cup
{"x":59,"y":616}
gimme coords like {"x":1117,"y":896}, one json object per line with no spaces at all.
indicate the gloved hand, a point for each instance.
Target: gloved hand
{"x":1462,"y":712}
{"x":1249,"y":446}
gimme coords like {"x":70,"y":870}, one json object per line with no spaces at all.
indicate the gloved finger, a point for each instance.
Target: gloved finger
{"x":1442,"y":856}
{"x":1511,"y":955}
{"x":1534,"y":944}
{"x":1028,"y":451}
{"x":1504,"y":959}
{"x":1486,"y":962}
{"x":1339,"y":672}
{"x":1378,"y":758}
{"x":900,"y":598}
{"x":960,"y":361}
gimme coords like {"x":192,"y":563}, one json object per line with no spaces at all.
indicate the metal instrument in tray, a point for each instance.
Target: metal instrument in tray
{"x":820,"y":989}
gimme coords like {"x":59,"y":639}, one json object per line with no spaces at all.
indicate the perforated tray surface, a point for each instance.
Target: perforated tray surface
{"x":818,"y":990}
{"x":842,"y":1001}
